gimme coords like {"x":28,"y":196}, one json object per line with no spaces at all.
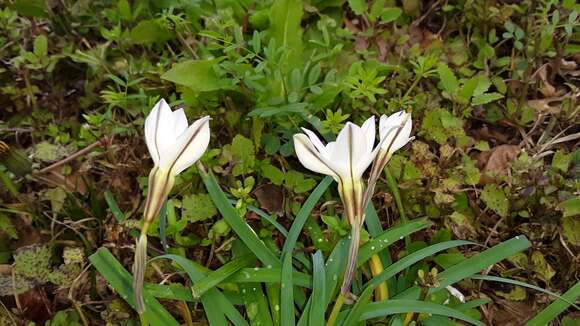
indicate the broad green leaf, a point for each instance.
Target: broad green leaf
{"x":149,"y":32}
{"x":198,"y":75}
{"x":390,"y":14}
{"x":285,"y":19}
{"x":358,"y":6}
{"x":198,"y":207}
{"x":122,"y":281}
{"x":570,"y":207}
{"x":32,"y":8}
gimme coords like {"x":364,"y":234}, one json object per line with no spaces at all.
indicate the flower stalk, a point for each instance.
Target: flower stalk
{"x":174,"y":145}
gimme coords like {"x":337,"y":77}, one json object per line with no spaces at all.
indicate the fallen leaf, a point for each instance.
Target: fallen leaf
{"x":271,"y":198}
{"x":496,"y":161}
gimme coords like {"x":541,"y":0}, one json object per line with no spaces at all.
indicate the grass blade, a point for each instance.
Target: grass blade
{"x":523,"y":284}
{"x":268,"y":275}
{"x":256,"y":304}
{"x":393,"y":270}
{"x":265,"y":216}
{"x":240,"y":227}
{"x":214,"y":302}
{"x":385,"y":239}
{"x":391,"y":307}
{"x":318,"y":290}
{"x":555,"y":308}
{"x":287,"y":291}
{"x":112,"y":203}
{"x":216,"y":277}
{"x":122,"y":281}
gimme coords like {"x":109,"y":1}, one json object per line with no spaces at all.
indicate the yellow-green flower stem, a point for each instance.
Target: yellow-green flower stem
{"x":376,"y":265}
{"x":336,"y":309}
{"x":160,"y":184}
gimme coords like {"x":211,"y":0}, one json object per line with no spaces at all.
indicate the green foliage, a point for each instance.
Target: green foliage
{"x":495,"y":198}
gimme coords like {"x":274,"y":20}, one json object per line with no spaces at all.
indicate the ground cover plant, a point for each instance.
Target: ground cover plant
{"x":476,"y":220}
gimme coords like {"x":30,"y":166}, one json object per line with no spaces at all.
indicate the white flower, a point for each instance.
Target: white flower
{"x":173,"y":144}
{"x":345,"y":159}
{"x":395,"y":131}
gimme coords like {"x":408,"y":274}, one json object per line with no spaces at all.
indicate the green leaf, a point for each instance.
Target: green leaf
{"x":7,"y":227}
{"x":561,"y":161}
{"x":390,"y":14}
{"x":285,"y":28}
{"x":122,"y":281}
{"x":40,"y":46}
{"x":32,"y":8}
{"x":570,"y":207}
{"x":216,"y":277}
{"x":486,"y":98}
{"x":149,"y":32}
{"x":273,"y":174}
{"x":198,"y":75}
{"x":494,"y":197}
{"x":112,"y":203}
{"x":287,"y":291}
{"x":244,"y":156}
{"x":124,"y":10}
{"x":393,"y":270}
{"x":358,"y":6}
{"x":215,"y":304}
{"x":448,"y":79}
{"x":297,"y":182}
{"x":242,"y":229}
{"x":391,"y":307}
{"x":318,"y":290}
{"x":571,"y":230}
{"x":388,"y":237}
{"x":198,"y":207}
{"x":556,"y":307}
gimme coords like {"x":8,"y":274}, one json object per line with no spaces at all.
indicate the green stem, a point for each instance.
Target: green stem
{"x":395,"y":190}
{"x":413,"y":85}
{"x":336,"y":309}
{"x":143,"y":319}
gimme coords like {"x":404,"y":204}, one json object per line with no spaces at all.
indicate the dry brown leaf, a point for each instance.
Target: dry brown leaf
{"x":271,"y":198}
{"x":543,"y":106}
{"x":496,"y":161}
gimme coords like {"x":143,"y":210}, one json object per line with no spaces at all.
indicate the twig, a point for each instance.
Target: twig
{"x":73,"y":156}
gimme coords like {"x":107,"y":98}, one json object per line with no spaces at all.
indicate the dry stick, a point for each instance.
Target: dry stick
{"x":75,"y":155}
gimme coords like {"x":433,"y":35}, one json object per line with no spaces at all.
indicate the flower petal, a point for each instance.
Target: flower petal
{"x":316,"y":142}
{"x":180,"y":122}
{"x":395,"y":130}
{"x":159,"y":130}
{"x":368,"y":128}
{"x":310,"y":157}
{"x":189,"y":147}
{"x":351,"y":152}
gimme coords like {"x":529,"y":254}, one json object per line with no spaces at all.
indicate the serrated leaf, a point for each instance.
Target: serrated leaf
{"x":447,"y":77}
{"x":198,"y":207}
{"x":244,"y":156}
